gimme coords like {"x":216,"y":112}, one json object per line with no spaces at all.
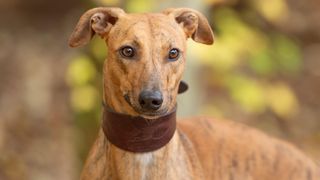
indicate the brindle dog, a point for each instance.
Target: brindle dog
{"x":146,"y":55}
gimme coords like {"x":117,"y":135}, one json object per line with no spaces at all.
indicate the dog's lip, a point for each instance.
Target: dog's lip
{"x":159,"y":112}
{"x":127,"y":98}
{"x":141,"y":112}
{"x":154,"y":113}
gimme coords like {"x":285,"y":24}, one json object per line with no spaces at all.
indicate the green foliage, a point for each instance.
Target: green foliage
{"x":81,"y":71}
{"x":281,"y":99}
{"x":262,"y":63}
{"x":98,"y":49}
{"x":281,"y":55}
{"x":248,"y":93}
{"x":139,"y":5}
{"x":244,"y":59}
{"x":84,"y":98}
{"x":84,"y":80}
{"x":272,"y":10}
{"x":287,"y":53}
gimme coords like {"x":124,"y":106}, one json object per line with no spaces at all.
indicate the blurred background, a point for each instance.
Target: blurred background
{"x":263,"y":70}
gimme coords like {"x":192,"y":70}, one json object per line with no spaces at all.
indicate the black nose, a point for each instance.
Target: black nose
{"x":150,"y":100}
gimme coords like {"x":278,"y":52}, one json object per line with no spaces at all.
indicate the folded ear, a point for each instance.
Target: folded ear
{"x":183,"y":87}
{"x":94,"y":21}
{"x":194,"y":24}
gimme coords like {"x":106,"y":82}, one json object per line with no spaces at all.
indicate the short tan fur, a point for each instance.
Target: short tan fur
{"x":202,"y":148}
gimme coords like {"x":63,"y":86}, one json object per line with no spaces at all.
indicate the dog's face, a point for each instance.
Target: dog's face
{"x":146,"y":59}
{"x":146,"y":55}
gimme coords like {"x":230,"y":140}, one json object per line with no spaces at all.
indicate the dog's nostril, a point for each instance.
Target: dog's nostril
{"x":155,"y":102}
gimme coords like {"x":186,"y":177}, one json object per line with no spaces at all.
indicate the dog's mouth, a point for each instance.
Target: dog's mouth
{"x":158,"y":113}
{"x":154,"y":113}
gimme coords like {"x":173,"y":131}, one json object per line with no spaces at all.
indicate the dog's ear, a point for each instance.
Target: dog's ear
{"x":94,"y":21}
{"x":183,"y":87}
{"x":194,"y":24}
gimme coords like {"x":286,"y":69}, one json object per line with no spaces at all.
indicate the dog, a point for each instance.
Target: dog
{"x":142,"y":75}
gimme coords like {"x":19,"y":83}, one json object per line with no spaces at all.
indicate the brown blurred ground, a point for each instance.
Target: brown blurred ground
{"x":35,"y":120}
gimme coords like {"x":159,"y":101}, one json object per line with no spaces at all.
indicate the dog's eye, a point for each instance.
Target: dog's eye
{"x":127,"y":52}
{"x":173,"y":54}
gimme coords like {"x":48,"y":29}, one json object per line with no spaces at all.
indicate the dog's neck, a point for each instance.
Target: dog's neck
{"x":120,"y":164}
{"x":137,"y":134}
{"x":120,"y":161}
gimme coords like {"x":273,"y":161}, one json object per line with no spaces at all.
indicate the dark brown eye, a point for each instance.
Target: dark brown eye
{"x":127,"y":52}
{"x":173,"y":54}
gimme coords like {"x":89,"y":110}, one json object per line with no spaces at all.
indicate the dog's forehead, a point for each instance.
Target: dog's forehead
{"x":151,"y":19}
{"x":155,"y":26}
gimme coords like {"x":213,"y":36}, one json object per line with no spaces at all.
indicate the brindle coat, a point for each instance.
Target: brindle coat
{"x":202,"y":148}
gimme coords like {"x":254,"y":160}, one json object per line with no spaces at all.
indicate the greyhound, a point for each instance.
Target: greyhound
{"x":140,"y":138}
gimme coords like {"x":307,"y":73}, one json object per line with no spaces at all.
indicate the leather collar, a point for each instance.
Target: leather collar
{"x":137,"y":134}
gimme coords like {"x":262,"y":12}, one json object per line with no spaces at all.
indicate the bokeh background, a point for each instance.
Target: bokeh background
{"x":263,"y":70}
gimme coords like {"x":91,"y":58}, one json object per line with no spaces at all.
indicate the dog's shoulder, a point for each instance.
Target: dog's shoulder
{"x":95,"y":165}
{"x":242,"y":150}
{"x":218,"y":128}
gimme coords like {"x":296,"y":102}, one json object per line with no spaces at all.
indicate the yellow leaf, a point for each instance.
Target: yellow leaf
{"x":139,"y":5}
{"x":84,"y":98}
{"x":273,"y":10}
{"x":235,"y":41}
{"x":282,"y":100}
{"x":248,"y":93}
{"x":80,"y":71}
{"x":99,"y":49}
{"x":110,"y":2}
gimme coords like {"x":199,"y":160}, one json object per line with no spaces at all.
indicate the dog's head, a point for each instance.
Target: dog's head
{"x":146,"y":54}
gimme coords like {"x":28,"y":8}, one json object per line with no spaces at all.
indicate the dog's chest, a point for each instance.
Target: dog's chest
{"x":171,"y":162}
{"x":144,"y":161}
{"x":152,"y":166}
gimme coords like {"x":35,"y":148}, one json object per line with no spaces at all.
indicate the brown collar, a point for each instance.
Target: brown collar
{"x":137,"y":134}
